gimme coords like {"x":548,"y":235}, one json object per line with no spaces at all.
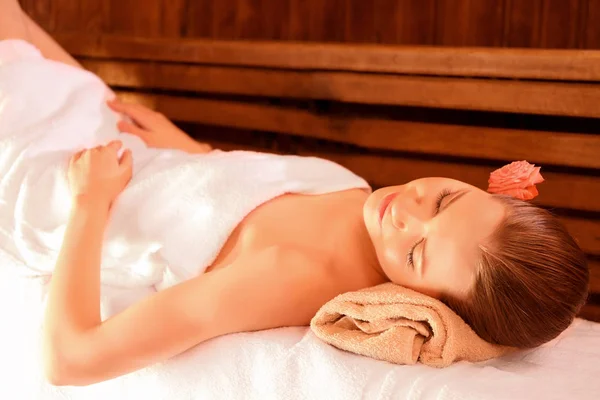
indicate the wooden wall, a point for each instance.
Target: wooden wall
{"x":507,"y":23}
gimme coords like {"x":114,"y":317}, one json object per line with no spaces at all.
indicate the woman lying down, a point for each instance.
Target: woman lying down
{"x":237,"y":241}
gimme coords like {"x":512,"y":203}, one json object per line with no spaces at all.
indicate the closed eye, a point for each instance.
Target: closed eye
{"x":440,"y":197}
{"x":438,"y":207}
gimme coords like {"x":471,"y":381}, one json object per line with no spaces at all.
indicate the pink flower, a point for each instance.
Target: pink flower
{"x":517,"y":179}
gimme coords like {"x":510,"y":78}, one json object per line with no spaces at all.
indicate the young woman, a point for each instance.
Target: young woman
{"x":508,"y":268}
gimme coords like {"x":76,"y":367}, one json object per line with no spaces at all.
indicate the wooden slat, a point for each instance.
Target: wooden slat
{"x":560,"y":190}
{"x":594,"y":266}
{"x":66,"y":16}
{"x":467,"y":141}
{"x":586,"y":232}
{"x":299,"y":14}
{"x":590,"y":312}
{"x":40,"y":11}
{"x":469,"y":23}
{"x":522,"y":21}
{"x":405,"y":22}
{"x":592,"y":26}
{"x":198,"y":19}
{"x":581,"y":100}
{"x":563,"y":13}
{"x":360,"y":21}
{"x":126,"y":17}
{"x":223,"y":19}
{"x":172,"y":17}
{"x":579,"y":65}
{"x":326,"y":20}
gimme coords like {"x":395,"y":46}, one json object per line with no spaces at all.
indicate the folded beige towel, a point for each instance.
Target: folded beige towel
{"x":392,"y":323}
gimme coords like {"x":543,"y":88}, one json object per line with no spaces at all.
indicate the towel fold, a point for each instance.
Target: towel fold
{"x":392,"y":323}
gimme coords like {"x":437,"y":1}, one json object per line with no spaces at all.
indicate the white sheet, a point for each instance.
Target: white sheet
{"x":291,"y":363}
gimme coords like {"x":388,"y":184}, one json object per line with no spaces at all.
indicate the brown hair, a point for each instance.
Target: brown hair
{"x":532,"y":280}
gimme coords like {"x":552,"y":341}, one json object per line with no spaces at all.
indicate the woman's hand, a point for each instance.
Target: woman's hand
{"x":155,"y":129}
{"x":97,"y":176}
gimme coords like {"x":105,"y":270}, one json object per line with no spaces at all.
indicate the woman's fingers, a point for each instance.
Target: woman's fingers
{"x":128,"y":127}
{"x":126,"y":162}
{"x":141,"y":115}
{"x":115,"y":145}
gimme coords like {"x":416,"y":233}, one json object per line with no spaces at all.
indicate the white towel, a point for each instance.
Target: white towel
{"x":179,"y":209}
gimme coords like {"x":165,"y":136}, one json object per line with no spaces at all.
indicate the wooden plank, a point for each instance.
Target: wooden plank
{"x":65,"y":15}
{"x":127,"y":17}
{"x":592,"y":26}
{"x":273,"y":19}
{"x":586,"y":232}
{"x":469,"y":23}
{"x":224,"y":19}
{"x":172,"y":17}
{"x":298,"y":20}
{"x":41,"y":12}
{"x":594,"y":266}
{"x":197,"y":19}
{"x":408,"y":22}
{"x":462,"y":141}
{"x":581,"y":100}
{"x":579,"y":65}
{"x":328,"y":20}
{"x":563,"y":14}
{"x":560,"y":189}
{"x":522,"y":23}
{"x":360,"y":25}
{"x":248,"y":24}
{"x":591,"y":312}
{"x":415,"y":22}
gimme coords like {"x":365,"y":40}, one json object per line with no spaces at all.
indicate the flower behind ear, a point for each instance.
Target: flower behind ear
{"x":517,"y":179}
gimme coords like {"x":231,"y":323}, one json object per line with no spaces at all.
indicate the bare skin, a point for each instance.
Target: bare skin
{"x":281,"y":264}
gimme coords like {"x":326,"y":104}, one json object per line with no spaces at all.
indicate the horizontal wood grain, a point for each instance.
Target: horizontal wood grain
{"x":586,"y":232}
{"x":545,"y":98}
{"x":569,"y":149}
{"x":560,"y":189}
{"x":578,"y":65}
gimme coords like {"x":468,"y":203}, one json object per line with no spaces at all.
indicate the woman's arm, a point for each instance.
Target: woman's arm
{"x":273,"y":288}
{"x":268,"y":290}
{"x":96,"y":177}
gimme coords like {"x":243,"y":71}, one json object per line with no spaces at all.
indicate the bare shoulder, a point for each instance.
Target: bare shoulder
{"x":278,"y":286}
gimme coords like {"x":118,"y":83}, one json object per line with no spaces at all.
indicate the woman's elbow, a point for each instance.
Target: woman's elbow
{"x":61,"y":368}
{"x":57,"y":370}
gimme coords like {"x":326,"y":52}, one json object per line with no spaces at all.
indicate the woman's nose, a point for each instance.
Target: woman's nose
{"x":407,"y":220}
{"x":412,"y":195}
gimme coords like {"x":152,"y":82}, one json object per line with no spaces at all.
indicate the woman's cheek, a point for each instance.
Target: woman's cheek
{"x":393,"y":256}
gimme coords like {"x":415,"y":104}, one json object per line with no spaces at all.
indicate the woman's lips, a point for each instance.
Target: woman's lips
{"x":383,"y":205}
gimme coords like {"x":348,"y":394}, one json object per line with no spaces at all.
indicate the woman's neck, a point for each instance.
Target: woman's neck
{"x":358,"y":251}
